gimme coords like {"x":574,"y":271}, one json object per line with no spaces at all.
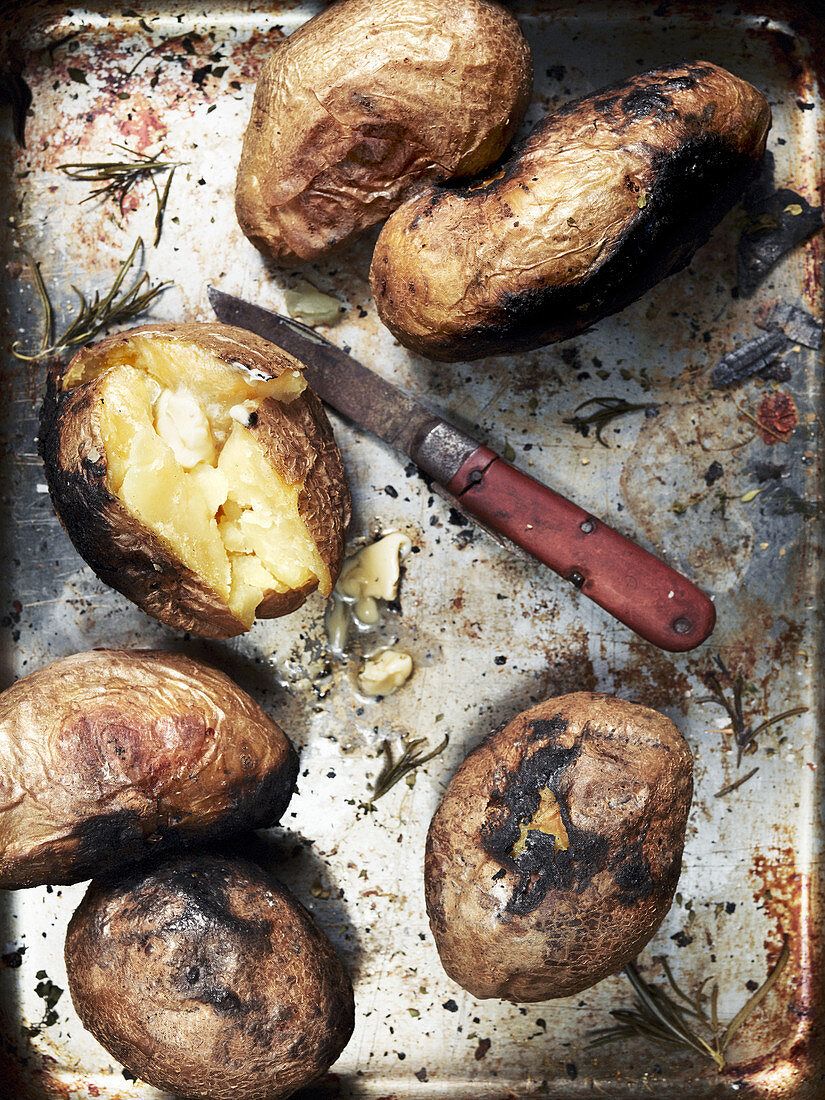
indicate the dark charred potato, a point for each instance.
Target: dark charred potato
{"x":195,"y":473}
{"x":368,"y":101}
{"x":113,"y":755}
{"x":555,"y":852}
{"x":607,"y":196}
{"x":207,"y":978}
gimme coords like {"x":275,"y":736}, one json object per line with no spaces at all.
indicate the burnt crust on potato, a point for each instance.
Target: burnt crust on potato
{"x":542,"y":866}
{"x":206,"y":977}
{"x":113,"y":756}
{"x":335,"y":144}
{"x":550,"y":920}
{"x":667,"y":152}
{"x":132,"y":559}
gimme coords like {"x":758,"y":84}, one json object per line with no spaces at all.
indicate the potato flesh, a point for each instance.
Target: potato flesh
{"x":180,"y":459}
{"x":546,"y":819}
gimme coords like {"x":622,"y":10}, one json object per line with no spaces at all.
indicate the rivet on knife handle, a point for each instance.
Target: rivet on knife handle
{"x":637,"y":588}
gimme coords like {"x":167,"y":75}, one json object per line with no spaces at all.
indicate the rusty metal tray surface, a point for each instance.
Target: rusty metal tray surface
{"x":489,"y":632}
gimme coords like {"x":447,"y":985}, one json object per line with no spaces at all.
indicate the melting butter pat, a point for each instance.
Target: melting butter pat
{"x":306,"y":303}
{"x":385,"y":673}
{"x":372,"y":574}
{"x":547,"y":820}
{"x":243,"y":413}
{"x":184,"y":426}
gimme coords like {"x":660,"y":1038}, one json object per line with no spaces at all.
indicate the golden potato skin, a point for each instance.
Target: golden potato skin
{"x":113,"y":755}
{"x":297,"y":439}
{"x":207,"y":978}
{"x":367,"y":102}
{"x":550,"y":922}
{"x":606,"y":197}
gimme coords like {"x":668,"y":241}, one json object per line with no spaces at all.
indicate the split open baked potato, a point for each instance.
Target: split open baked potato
{"x":207,"y":978}
{"x":607,"y":196}
{"x":197,"y":474}
{"x":554,"y":854}
{"x":368,"y":101}
{"x":113,"y":755}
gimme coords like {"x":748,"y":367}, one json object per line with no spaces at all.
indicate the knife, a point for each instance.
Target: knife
{"x":631,"y":584}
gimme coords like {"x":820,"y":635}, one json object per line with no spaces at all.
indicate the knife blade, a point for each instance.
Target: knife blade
{"x":637,"y":588}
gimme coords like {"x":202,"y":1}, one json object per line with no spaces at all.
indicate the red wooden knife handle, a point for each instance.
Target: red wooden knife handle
{"x":637,"y":588}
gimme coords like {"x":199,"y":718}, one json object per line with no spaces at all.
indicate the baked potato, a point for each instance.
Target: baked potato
{"x":113,"y":755}
{"x":608,"y":195}
{"x":555,"y":852}
{"x":196,"y":473}
{"x":207,"y":978}
{"x":368,"y":101}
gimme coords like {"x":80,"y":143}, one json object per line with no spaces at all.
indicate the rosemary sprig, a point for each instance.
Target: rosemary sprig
{"x":744,"y":733}
{"x":118,"y":177}
{"x":690,"y":1022}
{"x":92,"y":316}
{"x":395,"y":770}
{"x":607,"y":410}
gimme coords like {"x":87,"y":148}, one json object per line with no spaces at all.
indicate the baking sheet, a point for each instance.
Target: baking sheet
{"x":490,"y":633}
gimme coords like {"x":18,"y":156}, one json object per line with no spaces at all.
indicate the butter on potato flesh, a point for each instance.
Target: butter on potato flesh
{"x":229,"y":517}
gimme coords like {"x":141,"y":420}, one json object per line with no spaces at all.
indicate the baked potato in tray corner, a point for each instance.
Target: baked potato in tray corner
{"x":608,"y":195}
{"x":555,"y":852}
{"x":196,"y":473}
{"x":365,"y":103}
{"x":113,"y":755}
{"x":204,"y":976}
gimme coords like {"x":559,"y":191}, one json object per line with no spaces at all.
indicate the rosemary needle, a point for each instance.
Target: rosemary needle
{"x":45,"y":304}
{"x":736,"y":783}
{"x":93,"y":315}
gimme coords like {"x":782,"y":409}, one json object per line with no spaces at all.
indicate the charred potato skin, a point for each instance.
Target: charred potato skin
{"x":207,"y":978}
{"x":644,"y":171}
{"x":297,"y":438}
{"x":112,"y":756}
{"x":550,"y":923}
{"x":334,"y":145}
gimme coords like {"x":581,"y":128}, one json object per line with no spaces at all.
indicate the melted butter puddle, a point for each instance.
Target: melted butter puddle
{"x":370,"y":576}
{"x":547,"y":820}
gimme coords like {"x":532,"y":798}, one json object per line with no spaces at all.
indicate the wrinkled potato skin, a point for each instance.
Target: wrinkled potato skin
{"x":367,"y":102}
{"x":113,"y":755}
{"x":606,"y":197}
{"x":296,"y":437}
{"x":205,"y":977}
{"x":622,"y":776}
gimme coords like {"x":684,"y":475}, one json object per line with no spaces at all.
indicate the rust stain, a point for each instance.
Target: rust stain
{"x":778,"y":895}
{"x":805,"y":23}
{"x":651,"y":678}
{"x":142,"y":125}
{"x":776,"y":417}
{"x":814,"y":257}
{"x":796,"y":1066}
{"x":571,"y":670}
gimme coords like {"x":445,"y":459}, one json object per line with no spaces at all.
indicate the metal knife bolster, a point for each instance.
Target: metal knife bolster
{"x":440,"y":450}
